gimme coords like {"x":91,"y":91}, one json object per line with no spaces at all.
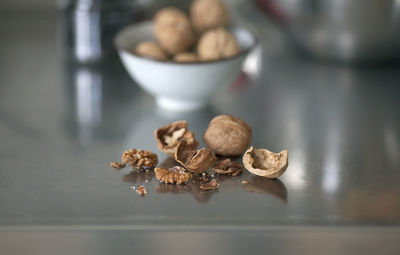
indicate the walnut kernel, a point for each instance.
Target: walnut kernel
{"x":170,"y":135}
{"x":196,"y":161}
{"x":150,"y":49}
{"x":265,"y":163}
{"x":172,"y":175}
{"x":207,"y":14}
{"x":141,"y":190}
{"x":139,"y":158}
{"x":217,"y":44}
{"x":228,"y":167}
{"x":117,"y":165}
{"x":173,"y":30}
{"x":228,"y":135}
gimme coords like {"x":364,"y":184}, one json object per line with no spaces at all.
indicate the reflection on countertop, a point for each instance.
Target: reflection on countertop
{"x":254,"y":184}
{"x":93,"y":94}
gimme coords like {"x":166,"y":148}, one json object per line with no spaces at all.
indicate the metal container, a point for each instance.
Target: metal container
{"x":88,"y":26}
{"x":346,"y":30}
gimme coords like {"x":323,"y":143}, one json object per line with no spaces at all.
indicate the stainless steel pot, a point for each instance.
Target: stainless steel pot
{"x":347,"y":30}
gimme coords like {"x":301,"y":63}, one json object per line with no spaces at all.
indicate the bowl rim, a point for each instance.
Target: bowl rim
{"x":243,"y":52}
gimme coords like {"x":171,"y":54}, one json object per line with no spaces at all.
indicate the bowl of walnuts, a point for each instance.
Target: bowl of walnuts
{"x":181,"y":59}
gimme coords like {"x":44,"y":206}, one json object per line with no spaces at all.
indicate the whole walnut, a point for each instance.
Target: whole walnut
{"x":207,"y":14}
{"x":150,"y":49}
{"x":173,"y":30}
{"x":186,"y":57}
{"x":217,"y":44}
{"x":228,"y":135}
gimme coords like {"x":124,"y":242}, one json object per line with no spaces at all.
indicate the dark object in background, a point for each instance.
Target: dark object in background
{"x":88,"y":26}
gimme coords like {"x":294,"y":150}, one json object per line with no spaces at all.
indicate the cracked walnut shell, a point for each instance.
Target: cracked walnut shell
{"x":217,"y":44}
{"x":172,"y":175}
{"x":265,"y":163}
{"x":151,"y":50}
{"x":173,"y":30}
{"x":228,"y":135}
{"x":196,"y":161}
{"x":170,"y":135}
{"x":139,"y":158}
{"x":207,"y":14}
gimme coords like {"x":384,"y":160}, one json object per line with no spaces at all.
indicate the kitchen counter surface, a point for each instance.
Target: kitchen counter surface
{"x":62,"y":123}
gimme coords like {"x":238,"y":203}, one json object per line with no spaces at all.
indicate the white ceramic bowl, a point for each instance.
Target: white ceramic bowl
{"x":180,"y":86}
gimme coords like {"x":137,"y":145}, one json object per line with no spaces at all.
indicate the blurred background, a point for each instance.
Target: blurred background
{"x":322,"y":83}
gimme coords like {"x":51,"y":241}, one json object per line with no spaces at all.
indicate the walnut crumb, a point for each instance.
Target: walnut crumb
{"x":117,"y":165}
{"x":172,"y":175}
{"x":244,"y":182}
{"x":141,"y":190}
{"x":213,"y":184}
{"x":140,"y":158}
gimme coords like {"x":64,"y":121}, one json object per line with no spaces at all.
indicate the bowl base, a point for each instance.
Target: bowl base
{"x":177,"y":105}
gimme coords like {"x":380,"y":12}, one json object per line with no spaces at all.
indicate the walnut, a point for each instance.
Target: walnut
{"x":186,"y":57}
{"x":139,"y":158}
{"x":117,"y":165}
{"x":213,"y":184}
{"x":170,"y":135}
{"x":217,"y":44}
{"x":227,"y":166}
{"x":207,"y":14}
{"x":173,"y":30}
{"x":265,"y":163}
{"x":228,"y":135}
{"x":141,"y":190}
{"x":150,"y":49}
{"x":172,"y":175}
{"x":196,"y":161}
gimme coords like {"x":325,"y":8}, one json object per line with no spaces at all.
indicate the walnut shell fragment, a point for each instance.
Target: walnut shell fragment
{"x":213,"y":184}
{"x":265,"y":163}
{"x":139,"y":158}
{"x":170,"y":135}
{"x":207,"y":14}
{"x":228,"y":135}
{"x":172,"y":175}
{"x":196,"y":161}
{"x":228,"y":167}
{"x":173,"y":30}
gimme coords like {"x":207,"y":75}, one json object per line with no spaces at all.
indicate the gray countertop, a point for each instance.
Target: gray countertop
{"x":62,"y":123}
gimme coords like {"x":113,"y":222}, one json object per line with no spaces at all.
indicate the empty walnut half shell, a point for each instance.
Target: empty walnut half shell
{"x":196,"y":161}
{"x":265,"y":163}
{"x":170,"y":135}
